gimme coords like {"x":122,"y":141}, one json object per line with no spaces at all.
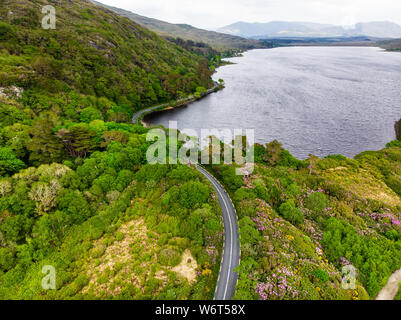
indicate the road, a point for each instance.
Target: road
{"x":390,"y":291}
{"x":228,"y":278}
{"x":231,"y":252}
{"x":189,"y":99}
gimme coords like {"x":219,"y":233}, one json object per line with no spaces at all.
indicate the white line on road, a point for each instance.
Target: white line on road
{"x":231,"y":232}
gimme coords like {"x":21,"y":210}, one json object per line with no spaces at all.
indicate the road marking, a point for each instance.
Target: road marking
{"x":211,"y":179}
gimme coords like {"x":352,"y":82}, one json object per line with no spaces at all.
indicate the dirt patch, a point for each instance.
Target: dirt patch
{"x":187,"y":268}
{"x":116,"y":261}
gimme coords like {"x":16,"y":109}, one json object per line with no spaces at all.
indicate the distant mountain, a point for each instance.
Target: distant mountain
{"x":313,"y":30}
{"x":218,"y":41}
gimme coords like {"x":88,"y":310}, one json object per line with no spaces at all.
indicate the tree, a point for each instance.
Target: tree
{"x":45,"y":146}
{"x":312,"y":163}
{"x":291,"y":213}
{"x":273,"y":153}
{"x":9,"y":163}
{"x":79,"y":140}
{"x":113,"y":136}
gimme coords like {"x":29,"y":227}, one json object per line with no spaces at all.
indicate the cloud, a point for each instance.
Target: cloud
{"x":212,"y":14}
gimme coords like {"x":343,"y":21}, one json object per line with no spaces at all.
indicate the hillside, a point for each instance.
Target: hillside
{"x":218,"y":41}
{"x":391,"y":45}
{"x":76,"y":193}
{"x":282,"y":29}
{"x":301,"y":222}
{"x":96,"y":53}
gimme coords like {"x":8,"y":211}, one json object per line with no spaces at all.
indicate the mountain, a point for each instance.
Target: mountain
{"x":218,"y":41}
{"x":95,"y":52}
{"x":277,"y":29}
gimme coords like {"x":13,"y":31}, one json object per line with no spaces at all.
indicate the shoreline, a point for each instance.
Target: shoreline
{"x":139,"y":116}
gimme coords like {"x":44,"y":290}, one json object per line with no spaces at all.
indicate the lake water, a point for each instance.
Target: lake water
{"x":314,"y":100}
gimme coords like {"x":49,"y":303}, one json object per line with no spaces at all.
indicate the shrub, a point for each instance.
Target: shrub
{"x":193,"y":193}
{"x":154,"y":172}
{"x":9,"y":163}
{"x":321,"y":275}
{"x":119,"y":236}
{"x":316,"y":202}
{"x":291,"y":213}
{"x":169,"y":256}
{"x":398,"y":296}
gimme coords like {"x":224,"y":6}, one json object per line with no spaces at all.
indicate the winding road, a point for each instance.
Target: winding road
{"x":227,"y":280}
{"x":138,"y":115}
{"x":225,"y":288}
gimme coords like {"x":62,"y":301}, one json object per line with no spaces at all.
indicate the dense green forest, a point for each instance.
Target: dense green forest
{"x":75,"y":190}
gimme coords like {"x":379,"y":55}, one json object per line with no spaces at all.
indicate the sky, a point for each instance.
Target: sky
{"x":213,"y":14}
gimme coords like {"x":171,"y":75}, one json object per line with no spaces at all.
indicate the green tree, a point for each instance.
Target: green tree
{"x":9,"y":163}
{"x":79,"y":140}
{"x":45,"y":146}
{"x":193,"y":193}
{"x":291,"y":213}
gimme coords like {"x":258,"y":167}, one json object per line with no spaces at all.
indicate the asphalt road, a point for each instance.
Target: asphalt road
{"x":231,"y":252}
{"x":227,"y":281}
{"x":165,"y":105}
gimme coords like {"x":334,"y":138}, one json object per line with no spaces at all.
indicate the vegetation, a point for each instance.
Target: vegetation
{"x":301,"y":222}
{"x":398,"y":297}
{"x":391,"y":45}
{"x":75,"y":190}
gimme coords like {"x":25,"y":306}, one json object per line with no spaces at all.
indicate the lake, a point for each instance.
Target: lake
{"x":314,"y":100}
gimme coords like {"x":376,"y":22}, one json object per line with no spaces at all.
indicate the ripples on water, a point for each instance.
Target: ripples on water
{"x":319,"y":100}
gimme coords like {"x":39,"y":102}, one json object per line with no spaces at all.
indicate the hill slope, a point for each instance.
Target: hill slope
{"x":306,"y":29}
{"x":391,"y":45}
{"x":218,"y":41}
{"x":75,"y":190}
{"x":95,"y":52}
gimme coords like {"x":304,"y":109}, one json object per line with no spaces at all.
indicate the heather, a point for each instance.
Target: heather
{"x":301,"y":222}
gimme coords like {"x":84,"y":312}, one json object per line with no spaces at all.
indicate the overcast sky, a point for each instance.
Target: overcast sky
{"x":211,"y":14}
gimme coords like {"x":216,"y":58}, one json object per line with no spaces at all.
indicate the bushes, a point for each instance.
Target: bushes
{"x":7,"y":259}
{"x":398,"y":296}
{"x":9,"y":163}
{"x":395,"y":143}
{"x":193,"y":194}
{"x":291,"y":213}
{"x":316,"y":202}
{"x":169,"y":256}
{"x":321,"y":275}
